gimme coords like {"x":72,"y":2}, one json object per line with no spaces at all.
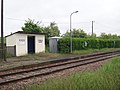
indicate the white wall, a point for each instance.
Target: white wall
{"x":21,"y":44}
{"x":40,"y":43}
{"x":11,"y":40}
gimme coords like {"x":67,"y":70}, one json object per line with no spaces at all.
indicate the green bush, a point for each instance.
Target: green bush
{"x":86,"y":43}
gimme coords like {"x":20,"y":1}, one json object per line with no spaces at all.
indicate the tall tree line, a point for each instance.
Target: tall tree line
{"x":53,"y":30}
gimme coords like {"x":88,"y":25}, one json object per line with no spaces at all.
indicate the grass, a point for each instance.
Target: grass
{"x":47,"y":55}
{"x":105,"y":78}
{"x":41,"y":56}
{"x":95,"y":50}
{"x":38,"y":57}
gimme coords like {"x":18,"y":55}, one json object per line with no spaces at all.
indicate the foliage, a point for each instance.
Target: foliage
{"x":79,"y":33}
{"x":86,"y":43}
{"x":76,"y":33}
{"x":91,"y":36}
{"x":109,"y":36}
{"x":31,"y":26}
{"x":89,"y":51}
{"x":50,"y":31}
{"x":105,"y":78}
{"x":67,"y":34}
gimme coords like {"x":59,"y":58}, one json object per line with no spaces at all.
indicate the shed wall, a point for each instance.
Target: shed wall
{"x":53,"y":45}
{"x":11,"y":40}
{"x":39,"y":43}
{"x":21,"y":43}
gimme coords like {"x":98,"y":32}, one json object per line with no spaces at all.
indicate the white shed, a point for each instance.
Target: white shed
{"x":25,"y":42}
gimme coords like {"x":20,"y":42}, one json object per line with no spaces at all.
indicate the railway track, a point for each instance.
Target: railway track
{"x":19,"y":75}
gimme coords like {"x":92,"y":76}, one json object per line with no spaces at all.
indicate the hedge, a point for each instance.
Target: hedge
{"x":85,"y":43}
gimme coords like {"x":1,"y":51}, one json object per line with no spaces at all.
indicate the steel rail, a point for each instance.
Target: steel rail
{"x":57,"y":68}
{"x":51,"y":65}
{"x":57,"y":60}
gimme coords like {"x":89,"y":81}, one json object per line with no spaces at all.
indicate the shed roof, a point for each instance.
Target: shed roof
{"x":56,"y":37}
{"x":22,"y":32}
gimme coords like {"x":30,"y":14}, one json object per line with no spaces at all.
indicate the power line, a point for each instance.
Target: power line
{"x":14,"y":19}
{"x":45,"y":22}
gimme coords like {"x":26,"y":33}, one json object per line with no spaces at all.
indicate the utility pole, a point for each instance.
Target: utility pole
{"x":92,"y":27}
{"x":2,"y":37}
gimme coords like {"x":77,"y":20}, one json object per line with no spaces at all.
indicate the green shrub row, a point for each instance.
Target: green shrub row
{"x":83,"y":43}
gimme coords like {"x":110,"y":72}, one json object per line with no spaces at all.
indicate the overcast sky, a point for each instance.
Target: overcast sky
{"x":105,"y":13}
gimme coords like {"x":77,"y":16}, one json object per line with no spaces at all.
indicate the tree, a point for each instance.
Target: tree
{"x":76,"y":33}
{"x":31,"y":26}
{"x":67,"y":34}
{"x":92,"y":36}
{"x":50,"y":31}
{"x":114,"y":36}
{"x":109,"y":36}
{"x":104,"y":36}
